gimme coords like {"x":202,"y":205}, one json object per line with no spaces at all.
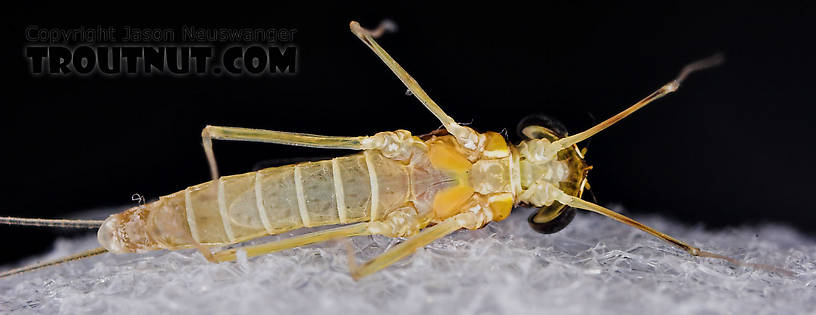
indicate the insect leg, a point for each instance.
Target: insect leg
{"x":292,"y":242}
{"x":382,"y":140}
{"x":401,"y":222}
{"x":466,"y":136}
{"x":403,"y":249}
{"x":694,"y":251}
{"x":667,"y":88}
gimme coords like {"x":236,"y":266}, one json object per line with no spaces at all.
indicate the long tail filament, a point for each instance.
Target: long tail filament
{"x":77,"y":256}
{"x":59,"y":223}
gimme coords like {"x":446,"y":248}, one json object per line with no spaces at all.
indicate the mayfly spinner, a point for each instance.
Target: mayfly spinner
{"x":399,"y":185}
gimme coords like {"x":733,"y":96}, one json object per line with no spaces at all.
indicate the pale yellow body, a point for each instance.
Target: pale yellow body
{"x":399,"y":185}
{"x":432,"y":182}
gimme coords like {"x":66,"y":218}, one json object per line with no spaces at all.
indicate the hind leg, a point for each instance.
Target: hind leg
{"x":393,"y":144}
{"x":400,"y":222}
{"x":297,"y":241}
{"x":425,"y":237}
{"x":467,"y":137}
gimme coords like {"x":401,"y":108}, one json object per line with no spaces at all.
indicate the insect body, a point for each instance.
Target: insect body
{"x":399,"y":185}
{"x":398,"y":191}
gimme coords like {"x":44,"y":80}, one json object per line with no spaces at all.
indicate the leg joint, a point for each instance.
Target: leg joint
{"x":403,"y":222}
{"x":397,"y":145}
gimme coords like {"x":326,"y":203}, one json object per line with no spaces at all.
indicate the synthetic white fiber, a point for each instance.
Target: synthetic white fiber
{"x":595,"y":265}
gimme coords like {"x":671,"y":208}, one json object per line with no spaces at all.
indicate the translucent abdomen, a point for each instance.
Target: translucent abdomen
{"x":270,"y":201}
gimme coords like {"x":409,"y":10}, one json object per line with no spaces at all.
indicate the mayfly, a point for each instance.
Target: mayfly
{"x":399,"y":185}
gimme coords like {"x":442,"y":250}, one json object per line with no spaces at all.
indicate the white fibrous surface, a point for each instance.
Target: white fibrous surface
{"x":595,"y":265}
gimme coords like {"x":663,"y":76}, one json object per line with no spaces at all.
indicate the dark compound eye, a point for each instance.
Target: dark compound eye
{"x":554,"y":225}
{"x":544,"y":121}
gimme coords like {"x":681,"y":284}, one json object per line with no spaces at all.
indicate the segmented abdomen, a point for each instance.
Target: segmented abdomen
{"x":279,"y":199}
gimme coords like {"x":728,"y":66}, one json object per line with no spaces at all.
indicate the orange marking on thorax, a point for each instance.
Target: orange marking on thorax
{"x":447,"y":202}
{"x":500,"y":204}
{"x":445,"y":157}
{"x":495,"y":145}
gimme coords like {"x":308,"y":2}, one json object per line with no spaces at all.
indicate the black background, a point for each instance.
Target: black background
{"x":733,"y":146}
